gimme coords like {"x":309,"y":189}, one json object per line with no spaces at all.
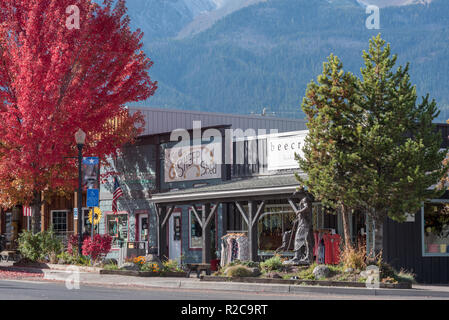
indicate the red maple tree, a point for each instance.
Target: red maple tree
{"x":55,"y":80}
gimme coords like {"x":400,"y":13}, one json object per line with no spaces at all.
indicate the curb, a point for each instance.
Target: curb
{"x":255,"y":287}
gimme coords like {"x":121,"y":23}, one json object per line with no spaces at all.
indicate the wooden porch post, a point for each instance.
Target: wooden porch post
{"x":163,"y":215}
{"x":161,"y":231}
{"x":206,"y":234}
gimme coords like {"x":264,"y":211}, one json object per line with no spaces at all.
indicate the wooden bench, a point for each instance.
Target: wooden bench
{"x":198,"y":267}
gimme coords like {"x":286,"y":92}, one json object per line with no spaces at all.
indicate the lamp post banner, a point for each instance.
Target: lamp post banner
{"x":91,"y":173}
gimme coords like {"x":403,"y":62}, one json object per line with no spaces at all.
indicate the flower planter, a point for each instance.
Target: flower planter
{"x":305,"y":282}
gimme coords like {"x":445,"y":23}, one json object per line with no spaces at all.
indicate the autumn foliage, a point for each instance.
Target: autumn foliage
{"x":55,"y":80}
{"x":98,"y":246}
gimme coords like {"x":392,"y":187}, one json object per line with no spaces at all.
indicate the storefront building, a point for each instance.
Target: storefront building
{"x":144,"y":171}
{"x":186,"y":200}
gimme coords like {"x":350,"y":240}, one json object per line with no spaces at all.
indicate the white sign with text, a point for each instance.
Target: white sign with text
{"x":281,"y":151}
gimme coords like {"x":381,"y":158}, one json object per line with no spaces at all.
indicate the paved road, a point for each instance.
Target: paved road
{"x":43,"y":290}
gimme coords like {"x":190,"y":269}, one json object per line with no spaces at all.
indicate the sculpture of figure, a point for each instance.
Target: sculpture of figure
{"x":304,"y":234}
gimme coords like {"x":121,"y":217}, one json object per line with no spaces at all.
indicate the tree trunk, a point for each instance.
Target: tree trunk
{"x":378,"y":237}
{"x":36,"y":213}
{"x":346,"y":231}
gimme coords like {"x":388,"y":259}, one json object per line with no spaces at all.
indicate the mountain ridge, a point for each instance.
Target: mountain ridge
{"x":264,"y":55}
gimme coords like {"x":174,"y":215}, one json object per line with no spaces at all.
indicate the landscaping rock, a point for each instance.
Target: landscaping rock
{"x":349,"y":270}
{"x":274,"y":275}
{"x":256,"y":272}
{"x":129,"y":266}
{"x":321,"y":271}
{"x":110,"y":261}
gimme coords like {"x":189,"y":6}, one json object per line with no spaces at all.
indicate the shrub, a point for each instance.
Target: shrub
{"x":39,"y":247}
{"x":153,"y":267}
{"x":110,"y":266}
{"x":97,"y":247}
{"x":171,"y":266}
{"x":239,"y":271}
{"x":307,"y":274}
{"x":272,"y":264}
{"x":404,"y":276}
{"x":354,"y":258}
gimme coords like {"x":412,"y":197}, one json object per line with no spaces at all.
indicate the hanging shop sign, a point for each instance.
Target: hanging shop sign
{"x":281,"y":151}
{"x":188,"y":163}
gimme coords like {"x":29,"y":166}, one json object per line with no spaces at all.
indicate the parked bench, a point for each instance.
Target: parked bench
{"x":198,"y":267}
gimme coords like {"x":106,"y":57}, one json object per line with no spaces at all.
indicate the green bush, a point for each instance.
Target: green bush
{"x":239,"y":271}
{"x":171,"y":266}
{"x":40,"y":247}
{"x":307,"y":274}
{"x":272,"y":264}
{"x":110,"y":266}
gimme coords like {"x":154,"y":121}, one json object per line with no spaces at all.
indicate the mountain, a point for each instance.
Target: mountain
{"x":208,"y":18}
{"x":161,"y":19}
{"x":264,"y":54}
{"x":392,"y":3}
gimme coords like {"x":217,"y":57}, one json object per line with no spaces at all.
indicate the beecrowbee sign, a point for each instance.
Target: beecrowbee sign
{"x":281,"y":151}
{"x":190,"y":163}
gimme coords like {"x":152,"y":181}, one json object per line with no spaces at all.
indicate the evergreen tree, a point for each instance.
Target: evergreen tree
{"x":400,"y":150}
{"x":370,"y":145}
{"x":331,"y":155}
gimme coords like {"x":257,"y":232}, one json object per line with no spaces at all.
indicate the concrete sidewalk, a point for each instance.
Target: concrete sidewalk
{"x":88,"y":278}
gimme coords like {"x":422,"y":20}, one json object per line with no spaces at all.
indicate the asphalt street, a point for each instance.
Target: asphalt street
{"x":45,"y":290}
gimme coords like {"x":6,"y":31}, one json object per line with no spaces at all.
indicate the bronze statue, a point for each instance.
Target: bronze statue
{"x":304,"y":234}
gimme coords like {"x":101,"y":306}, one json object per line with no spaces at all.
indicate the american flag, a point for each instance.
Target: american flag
{"x":117,"y":194}
{"x":27,"y":211}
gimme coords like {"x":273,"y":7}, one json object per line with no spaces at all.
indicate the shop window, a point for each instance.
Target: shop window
{"x":117,"y":228}
{"x":8,"y":226}
{"x":59,"y":221}
{"x":435,"y":220}
{"x":196,"y":233}
{"x":272,"y":224}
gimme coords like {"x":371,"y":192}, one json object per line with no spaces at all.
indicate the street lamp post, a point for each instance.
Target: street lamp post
{"x":80,"y":138}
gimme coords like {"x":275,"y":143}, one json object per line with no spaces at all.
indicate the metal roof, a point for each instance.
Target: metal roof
{"x":166,"y":120}
{"x":254,"y":186}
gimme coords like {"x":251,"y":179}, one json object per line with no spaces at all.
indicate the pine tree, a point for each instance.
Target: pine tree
{"x":400,"y":150}
{"x":331,"y":148}
{"x":370,"y":145}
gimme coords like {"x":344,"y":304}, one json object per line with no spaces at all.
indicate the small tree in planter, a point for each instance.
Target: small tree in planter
{"x":97,"y":247}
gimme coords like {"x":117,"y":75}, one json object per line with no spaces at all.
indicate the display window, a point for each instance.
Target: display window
{"x":273,"y":223}
{"x":435,"y":222}
{"x":196,"y":232}
{"x":117,"y":228}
